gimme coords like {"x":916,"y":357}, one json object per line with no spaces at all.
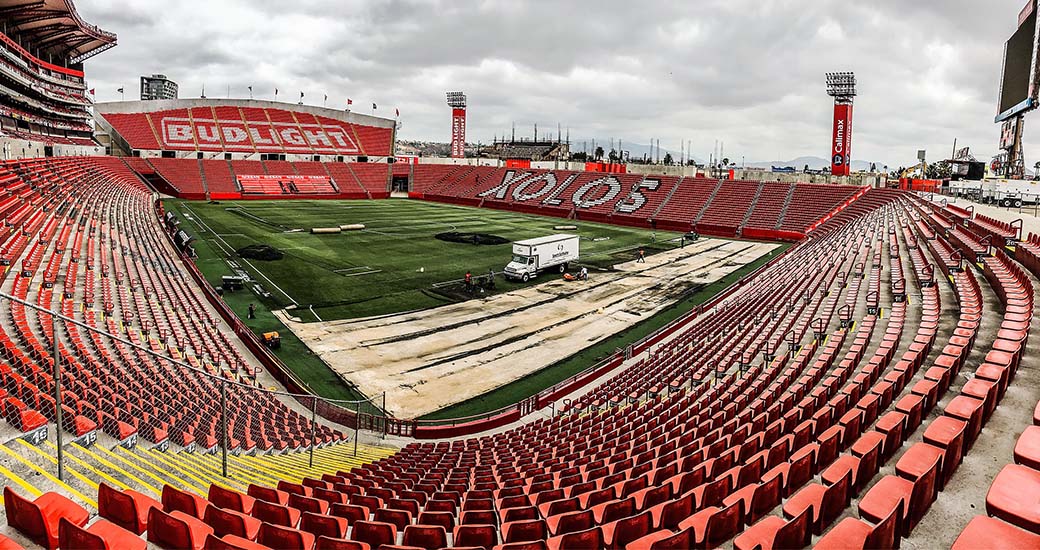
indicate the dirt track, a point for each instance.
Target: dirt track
{"x":427,"y":360}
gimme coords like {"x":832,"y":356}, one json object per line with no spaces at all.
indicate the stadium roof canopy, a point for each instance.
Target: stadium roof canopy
{"x":53,"y":27}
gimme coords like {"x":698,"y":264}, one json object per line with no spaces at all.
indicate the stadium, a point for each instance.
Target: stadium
{"x":247,"y":324}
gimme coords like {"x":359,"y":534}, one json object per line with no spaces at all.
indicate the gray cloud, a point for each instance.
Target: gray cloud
{"x":749,"y":72}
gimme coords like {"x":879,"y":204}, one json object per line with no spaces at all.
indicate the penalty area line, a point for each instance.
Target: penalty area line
{"x":311,"y":307}
{"x":369,"y":272}
{"x":226,"y":248}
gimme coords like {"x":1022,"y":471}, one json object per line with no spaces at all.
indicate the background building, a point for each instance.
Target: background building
{"x":157,"y":86}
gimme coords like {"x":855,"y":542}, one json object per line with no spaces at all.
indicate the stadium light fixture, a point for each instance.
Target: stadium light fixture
{"x":841,"y":85}
{"x":456,"y":100}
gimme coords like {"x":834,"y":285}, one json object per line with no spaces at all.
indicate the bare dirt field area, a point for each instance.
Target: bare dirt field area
{"x":433,"y":358}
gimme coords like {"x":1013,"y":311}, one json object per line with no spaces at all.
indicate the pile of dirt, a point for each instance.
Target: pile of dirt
{"x":263,"y":252}
{"x":471,"y":238}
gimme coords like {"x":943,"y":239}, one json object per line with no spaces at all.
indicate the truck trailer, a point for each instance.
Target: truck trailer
{"x":1000,"y":192}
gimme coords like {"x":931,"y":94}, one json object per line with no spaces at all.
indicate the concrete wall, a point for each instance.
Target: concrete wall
{"x":12,"y":148}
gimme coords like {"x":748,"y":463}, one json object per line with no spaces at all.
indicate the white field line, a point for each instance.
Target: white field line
{"x":225,"y":247}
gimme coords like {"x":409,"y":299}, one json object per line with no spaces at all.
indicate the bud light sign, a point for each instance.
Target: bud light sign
{"x":458,"y":133}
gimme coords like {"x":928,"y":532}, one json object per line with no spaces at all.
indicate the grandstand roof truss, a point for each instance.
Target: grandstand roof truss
{"x":56,"y":28}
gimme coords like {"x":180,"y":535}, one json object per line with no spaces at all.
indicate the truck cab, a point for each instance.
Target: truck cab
{"x":522,"y":264}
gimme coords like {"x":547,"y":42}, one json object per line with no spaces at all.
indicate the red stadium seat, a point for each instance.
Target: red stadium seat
{"x":231,"y":542}
{"x":852,"y":533}
{"x":176,"y":530}
{"x":524,"y":531}
{"x":1027,"y":449}
{"x":38,"y":519}
{"x":825,"y":502}
{"x":229,"y":522}
{"x":570,"y":522}
{"x":1013,"y":497}
{"x":374,"y":533}
{"x":663,"y":540}
{"x":174,"y":500}
{"x":102,"y":534}
{"x":713,"y":525}
{"x":429,"y":537}
{"x":350,"y":512}
{"x":618,"y":533}
{"x":911,"y":498}
{"x":578,"y":540}
{"x":775,"y":532}
{"x":231,"y":500}
{"x":267,"y":494}
{"x":985,"y":533}
{"x":321,"y":525}
{"x":285,"y":538}
{"x":485,"y":536}
{"x":276,"y":514}
{"x":127,"y":509}
{"x":326,"y":543}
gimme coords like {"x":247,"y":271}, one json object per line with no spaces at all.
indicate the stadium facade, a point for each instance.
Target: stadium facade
{"x":240,"y":129}
{"x":44,"y":102}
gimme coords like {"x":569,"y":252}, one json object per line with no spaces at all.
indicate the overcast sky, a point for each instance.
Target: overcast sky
{"x":748,"y":72}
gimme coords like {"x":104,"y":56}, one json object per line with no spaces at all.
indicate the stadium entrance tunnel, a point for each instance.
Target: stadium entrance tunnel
{"x":262,"y":252}
{"x":471,"y":238}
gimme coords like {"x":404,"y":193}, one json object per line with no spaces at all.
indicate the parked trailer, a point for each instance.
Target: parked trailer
{"x":1002,"y":192}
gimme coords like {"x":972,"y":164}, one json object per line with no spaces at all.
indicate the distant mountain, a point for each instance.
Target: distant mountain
{"x":815,"y":163}
{"x":637,"y":150}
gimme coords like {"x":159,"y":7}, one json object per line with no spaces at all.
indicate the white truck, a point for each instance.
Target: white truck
{"x":535,"y":255}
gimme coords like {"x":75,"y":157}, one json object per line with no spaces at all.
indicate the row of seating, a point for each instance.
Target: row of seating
{"x":288,"y":186}
{"x":196,"y":179}
{"x":1013,"y":519}
{"x":723,"y":208}
{"x":93,"y":222}
{"x":897,"y":502}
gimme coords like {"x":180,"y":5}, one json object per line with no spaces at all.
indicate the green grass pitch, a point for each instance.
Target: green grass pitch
{"x":395,"y":264}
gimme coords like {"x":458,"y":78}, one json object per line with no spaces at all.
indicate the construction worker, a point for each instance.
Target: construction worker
{"x":469,"y":282}
{"x":252,"y":311}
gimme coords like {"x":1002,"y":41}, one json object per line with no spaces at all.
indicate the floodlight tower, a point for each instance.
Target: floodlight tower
{"x":842,"y":87}
{"x":457,"y":102}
